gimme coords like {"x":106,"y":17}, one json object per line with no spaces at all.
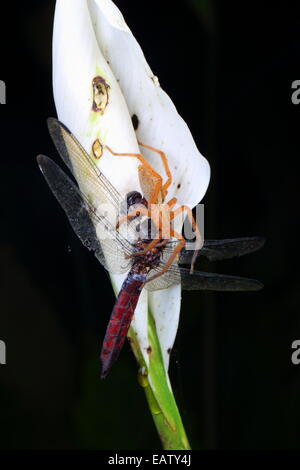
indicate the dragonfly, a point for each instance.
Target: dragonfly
{"x":117,"y":251}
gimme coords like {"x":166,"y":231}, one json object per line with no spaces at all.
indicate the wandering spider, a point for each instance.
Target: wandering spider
{"x":159,"y":211}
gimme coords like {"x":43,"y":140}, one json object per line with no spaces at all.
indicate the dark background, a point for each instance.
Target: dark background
{"x":231,"y":366}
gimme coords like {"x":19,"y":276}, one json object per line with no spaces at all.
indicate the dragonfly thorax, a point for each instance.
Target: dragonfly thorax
{"x":147,"y":261}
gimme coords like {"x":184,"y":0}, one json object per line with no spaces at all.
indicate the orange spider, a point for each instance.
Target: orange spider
{"x":159,"y":211}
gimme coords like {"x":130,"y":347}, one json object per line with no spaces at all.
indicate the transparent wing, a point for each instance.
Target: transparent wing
{"x":85,"y":221}
{"x":82,"y":166}
{"x":92,"y":182}
{"x":217,"y":250}
{"x":200,"y":281}
{"x":168,"y":279}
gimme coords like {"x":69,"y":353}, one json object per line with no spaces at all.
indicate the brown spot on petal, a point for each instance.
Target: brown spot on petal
{"x":100,"y":94}
{"x":179,"y":186}
{"x":149,"y":350}
{"x":169,"y":351}
{"x":155,"y":80}
{"x":97,"y":149}
{"x":135,"y":121}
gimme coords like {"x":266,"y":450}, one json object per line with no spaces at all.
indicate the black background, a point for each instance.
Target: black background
{"x":228,"y":68}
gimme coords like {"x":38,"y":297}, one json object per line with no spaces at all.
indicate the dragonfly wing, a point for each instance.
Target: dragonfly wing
{"x":81,"y":164}
{"x":200,"y":280}
{"x":229,"y":248}
{"x":168,"y":279}
{"x":217,"y":282}
{"x":83,"y":218}
{"x":217,"y":250}
{"x":92,"y":182}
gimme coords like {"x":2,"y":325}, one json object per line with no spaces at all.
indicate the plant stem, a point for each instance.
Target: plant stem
{"x":156,"y":384}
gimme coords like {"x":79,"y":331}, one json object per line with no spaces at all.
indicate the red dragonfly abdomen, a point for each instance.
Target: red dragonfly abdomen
{"x":120,"y":320}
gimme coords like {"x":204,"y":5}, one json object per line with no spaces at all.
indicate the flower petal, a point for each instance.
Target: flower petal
{"x":165,"y":308}
{"x":77,"y":61}
{"x":160,"y":126}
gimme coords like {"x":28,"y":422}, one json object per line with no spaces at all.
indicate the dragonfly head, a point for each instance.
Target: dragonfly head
{"x":134,"y":197}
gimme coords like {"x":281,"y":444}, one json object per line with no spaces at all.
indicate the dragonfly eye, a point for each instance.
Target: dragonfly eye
{"x":134,"y":197}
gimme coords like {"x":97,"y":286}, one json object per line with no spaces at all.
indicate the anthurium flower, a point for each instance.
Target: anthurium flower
{"x":102,"y":87}
{"x":159,"y":125}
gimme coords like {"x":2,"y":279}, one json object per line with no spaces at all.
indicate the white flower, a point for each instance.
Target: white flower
{"x":91,"y":39}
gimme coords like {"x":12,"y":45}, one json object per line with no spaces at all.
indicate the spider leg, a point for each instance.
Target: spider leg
{"x":172,"y":202}
{"x":195,"y":229}
{"x":163,"y":243}
{"x":138,"y":156}
{"x":149,"y":247}
{"x":157,"y":242}
{"x":172,"y":257}
{"x":152,"y":199}
{"x":130,"y":215}
{"x":165,"y":164}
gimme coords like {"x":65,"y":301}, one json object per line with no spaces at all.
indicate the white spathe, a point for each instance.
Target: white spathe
{"x":91,"y":38}
{"x":77,"y":59}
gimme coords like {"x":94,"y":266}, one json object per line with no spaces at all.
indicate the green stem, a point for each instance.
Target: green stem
{"x":155,"y":381}
{"x":161,"y":401}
